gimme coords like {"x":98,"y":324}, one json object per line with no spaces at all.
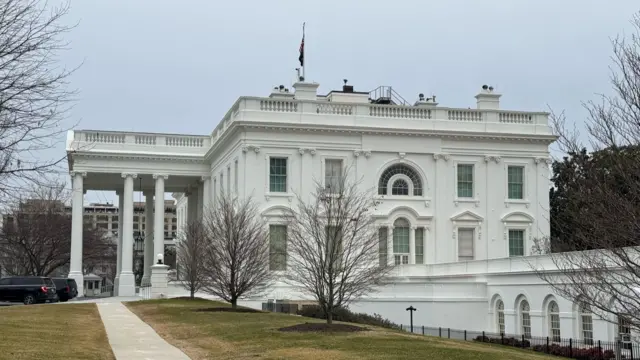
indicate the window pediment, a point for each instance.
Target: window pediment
{"x":517,"y":217}
{"x":467,"y":215}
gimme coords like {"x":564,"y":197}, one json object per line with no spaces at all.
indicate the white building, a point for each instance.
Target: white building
{"x":463,"y":192}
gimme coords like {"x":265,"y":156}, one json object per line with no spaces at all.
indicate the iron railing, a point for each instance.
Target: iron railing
{"x":570,"y":348}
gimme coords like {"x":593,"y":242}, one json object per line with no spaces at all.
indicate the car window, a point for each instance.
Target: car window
{"x":72,"y":283}
{"x":49,"y":282}
{"x":5,"y":281}
{"x":60,"y":282}
{"x":30,"y":281}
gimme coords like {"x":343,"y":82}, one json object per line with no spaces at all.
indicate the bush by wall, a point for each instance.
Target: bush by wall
{"x":344,"y":314}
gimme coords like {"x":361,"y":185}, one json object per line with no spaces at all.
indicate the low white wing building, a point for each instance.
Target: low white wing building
{"x":463,"y":192}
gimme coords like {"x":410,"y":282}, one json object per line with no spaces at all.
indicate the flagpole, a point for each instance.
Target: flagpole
{"x":304,"y":65}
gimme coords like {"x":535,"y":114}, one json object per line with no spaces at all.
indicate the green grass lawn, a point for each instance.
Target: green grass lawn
{"x":225,"y":335}
{"x":53,"y":332}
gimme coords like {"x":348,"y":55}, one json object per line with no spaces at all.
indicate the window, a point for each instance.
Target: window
{"x":278,"y":175}
{"x":277,"y":247}
{"x":420,"y":246}
{"x":554,"y":321}
{"x":401,"y":241}
{"x":333,"y":175}
{"x":334,"y":246}
{"x":465,"y":181}
{"x":525,"y":319}
{"x":500,"y":316}
{"x":516,"y":242}
{"x":515,"y":182}
{"x":235,"y":170}
{"x":586,"y":320}
{"x":403,"y":170}
{"x":114,"y":218}
{"x":400,"y":187}
{"x":465,"y":244}
{"x":382,"y":245}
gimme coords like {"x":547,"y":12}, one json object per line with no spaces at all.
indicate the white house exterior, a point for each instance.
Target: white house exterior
{"x":462,"y":194}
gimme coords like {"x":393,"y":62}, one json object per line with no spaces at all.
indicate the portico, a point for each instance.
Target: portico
{"x":97,"y":170}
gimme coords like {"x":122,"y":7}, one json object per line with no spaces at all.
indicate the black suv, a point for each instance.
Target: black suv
{"x":66,"y":288}
{"x":28,"y":289}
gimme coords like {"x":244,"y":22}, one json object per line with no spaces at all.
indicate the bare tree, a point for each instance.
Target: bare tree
{"x":237,"y":263}
{"x":35,"y":238}
{"x":600,"y":204}
{"x":332,"y":245}
{"x":190,"y":250}
{"x":33,"y":90}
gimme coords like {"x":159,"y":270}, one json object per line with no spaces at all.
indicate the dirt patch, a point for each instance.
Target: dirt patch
{"x":227,"y":309}
{"x":322,"y":327}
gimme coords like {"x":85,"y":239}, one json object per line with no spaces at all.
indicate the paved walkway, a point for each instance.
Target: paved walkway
{"x":131,"y":338}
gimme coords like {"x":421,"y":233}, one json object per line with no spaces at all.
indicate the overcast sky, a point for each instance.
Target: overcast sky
{"x":177,"y":66}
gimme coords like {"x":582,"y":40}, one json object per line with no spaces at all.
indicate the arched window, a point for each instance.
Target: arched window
{"x":525,"y":318}
{"x":401,"y":241}
{"x":500,"y":316}
{"x":400,"y":187}
{"x":586,"y":323}
{"x":554,"y":321}
{"x":400,"y":169}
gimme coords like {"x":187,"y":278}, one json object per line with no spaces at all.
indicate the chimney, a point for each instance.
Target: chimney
{"x":347,"y":88}
{"x":306,"y":91}
{"x":487,"y":99}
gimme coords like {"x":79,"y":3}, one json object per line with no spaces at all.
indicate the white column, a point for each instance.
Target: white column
{"x":158,"y":226}
{"x":199,"y":193}
{"x":148,"y":238}
{"x":412,"y":245}
{"x":390,"y":258}
{"x":127,"y":285}
{"x":206,"y":193}
{"x":77,"y":214}
{"x":119,"y":247}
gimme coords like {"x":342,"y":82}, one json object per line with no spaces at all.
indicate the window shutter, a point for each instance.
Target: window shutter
{"x":465,"y":244}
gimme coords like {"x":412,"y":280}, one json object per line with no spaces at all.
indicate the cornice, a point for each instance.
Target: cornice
{"x":532,"y":138}
{"x":133,"y":156}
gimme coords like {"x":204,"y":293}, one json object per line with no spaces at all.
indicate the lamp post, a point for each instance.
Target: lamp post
{"x":411,"y":309}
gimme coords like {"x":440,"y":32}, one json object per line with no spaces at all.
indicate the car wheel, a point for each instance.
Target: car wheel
{"x":29,"y":299}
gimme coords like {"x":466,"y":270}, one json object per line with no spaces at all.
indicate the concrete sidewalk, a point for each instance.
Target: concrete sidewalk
{"x":131,"y":338}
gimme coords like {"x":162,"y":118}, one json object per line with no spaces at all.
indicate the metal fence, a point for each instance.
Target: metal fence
{"x":570,"y":348}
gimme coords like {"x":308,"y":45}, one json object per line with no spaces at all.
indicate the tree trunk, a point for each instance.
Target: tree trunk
{"x":234,"y":303}
{"x":329,"y":317}
{"x":192,"y":294}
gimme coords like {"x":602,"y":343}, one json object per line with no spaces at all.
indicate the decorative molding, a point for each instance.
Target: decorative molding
{"x":254,"y":148}
{"x":413,"y":227}
{"x":156,"y":176}
{"x":81,"y":173}
{"x":444,"y":157}
{"x":311,"y":151}
{"x":205,"y":178}
{"x":125,"y":175}
{"x":357,"y":153}
{"x":402,"y":155}
{"x":367,"y":153}
{"x":476,"y":202}
{"x":494,"y":158}
{"x":427,"y":203}
{"x":427,"y":228}
{"x":541,"y":160}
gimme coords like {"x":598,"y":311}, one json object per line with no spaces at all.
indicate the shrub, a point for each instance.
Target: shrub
{"x":507,"y":341}
{"x":580,"y":354}
{"x":345,"y":315}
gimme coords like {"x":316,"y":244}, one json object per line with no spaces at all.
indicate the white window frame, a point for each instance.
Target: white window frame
{"x":275,"y":221}
{"x":267,"y":186}
{"x":473,"y":241}
{"x":527,"y":232}
{"x":477,"y":236}
{"x":323,"y":166}
{"x":552,"y":338}
{"x":525,"y":186}
{"x":500,"y":327}
{"x":581,"y":316}
{"x":521,"y":325}
{"x":390,"y":185}
{"x":401,"y":258}
{"x":474,"y":198}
